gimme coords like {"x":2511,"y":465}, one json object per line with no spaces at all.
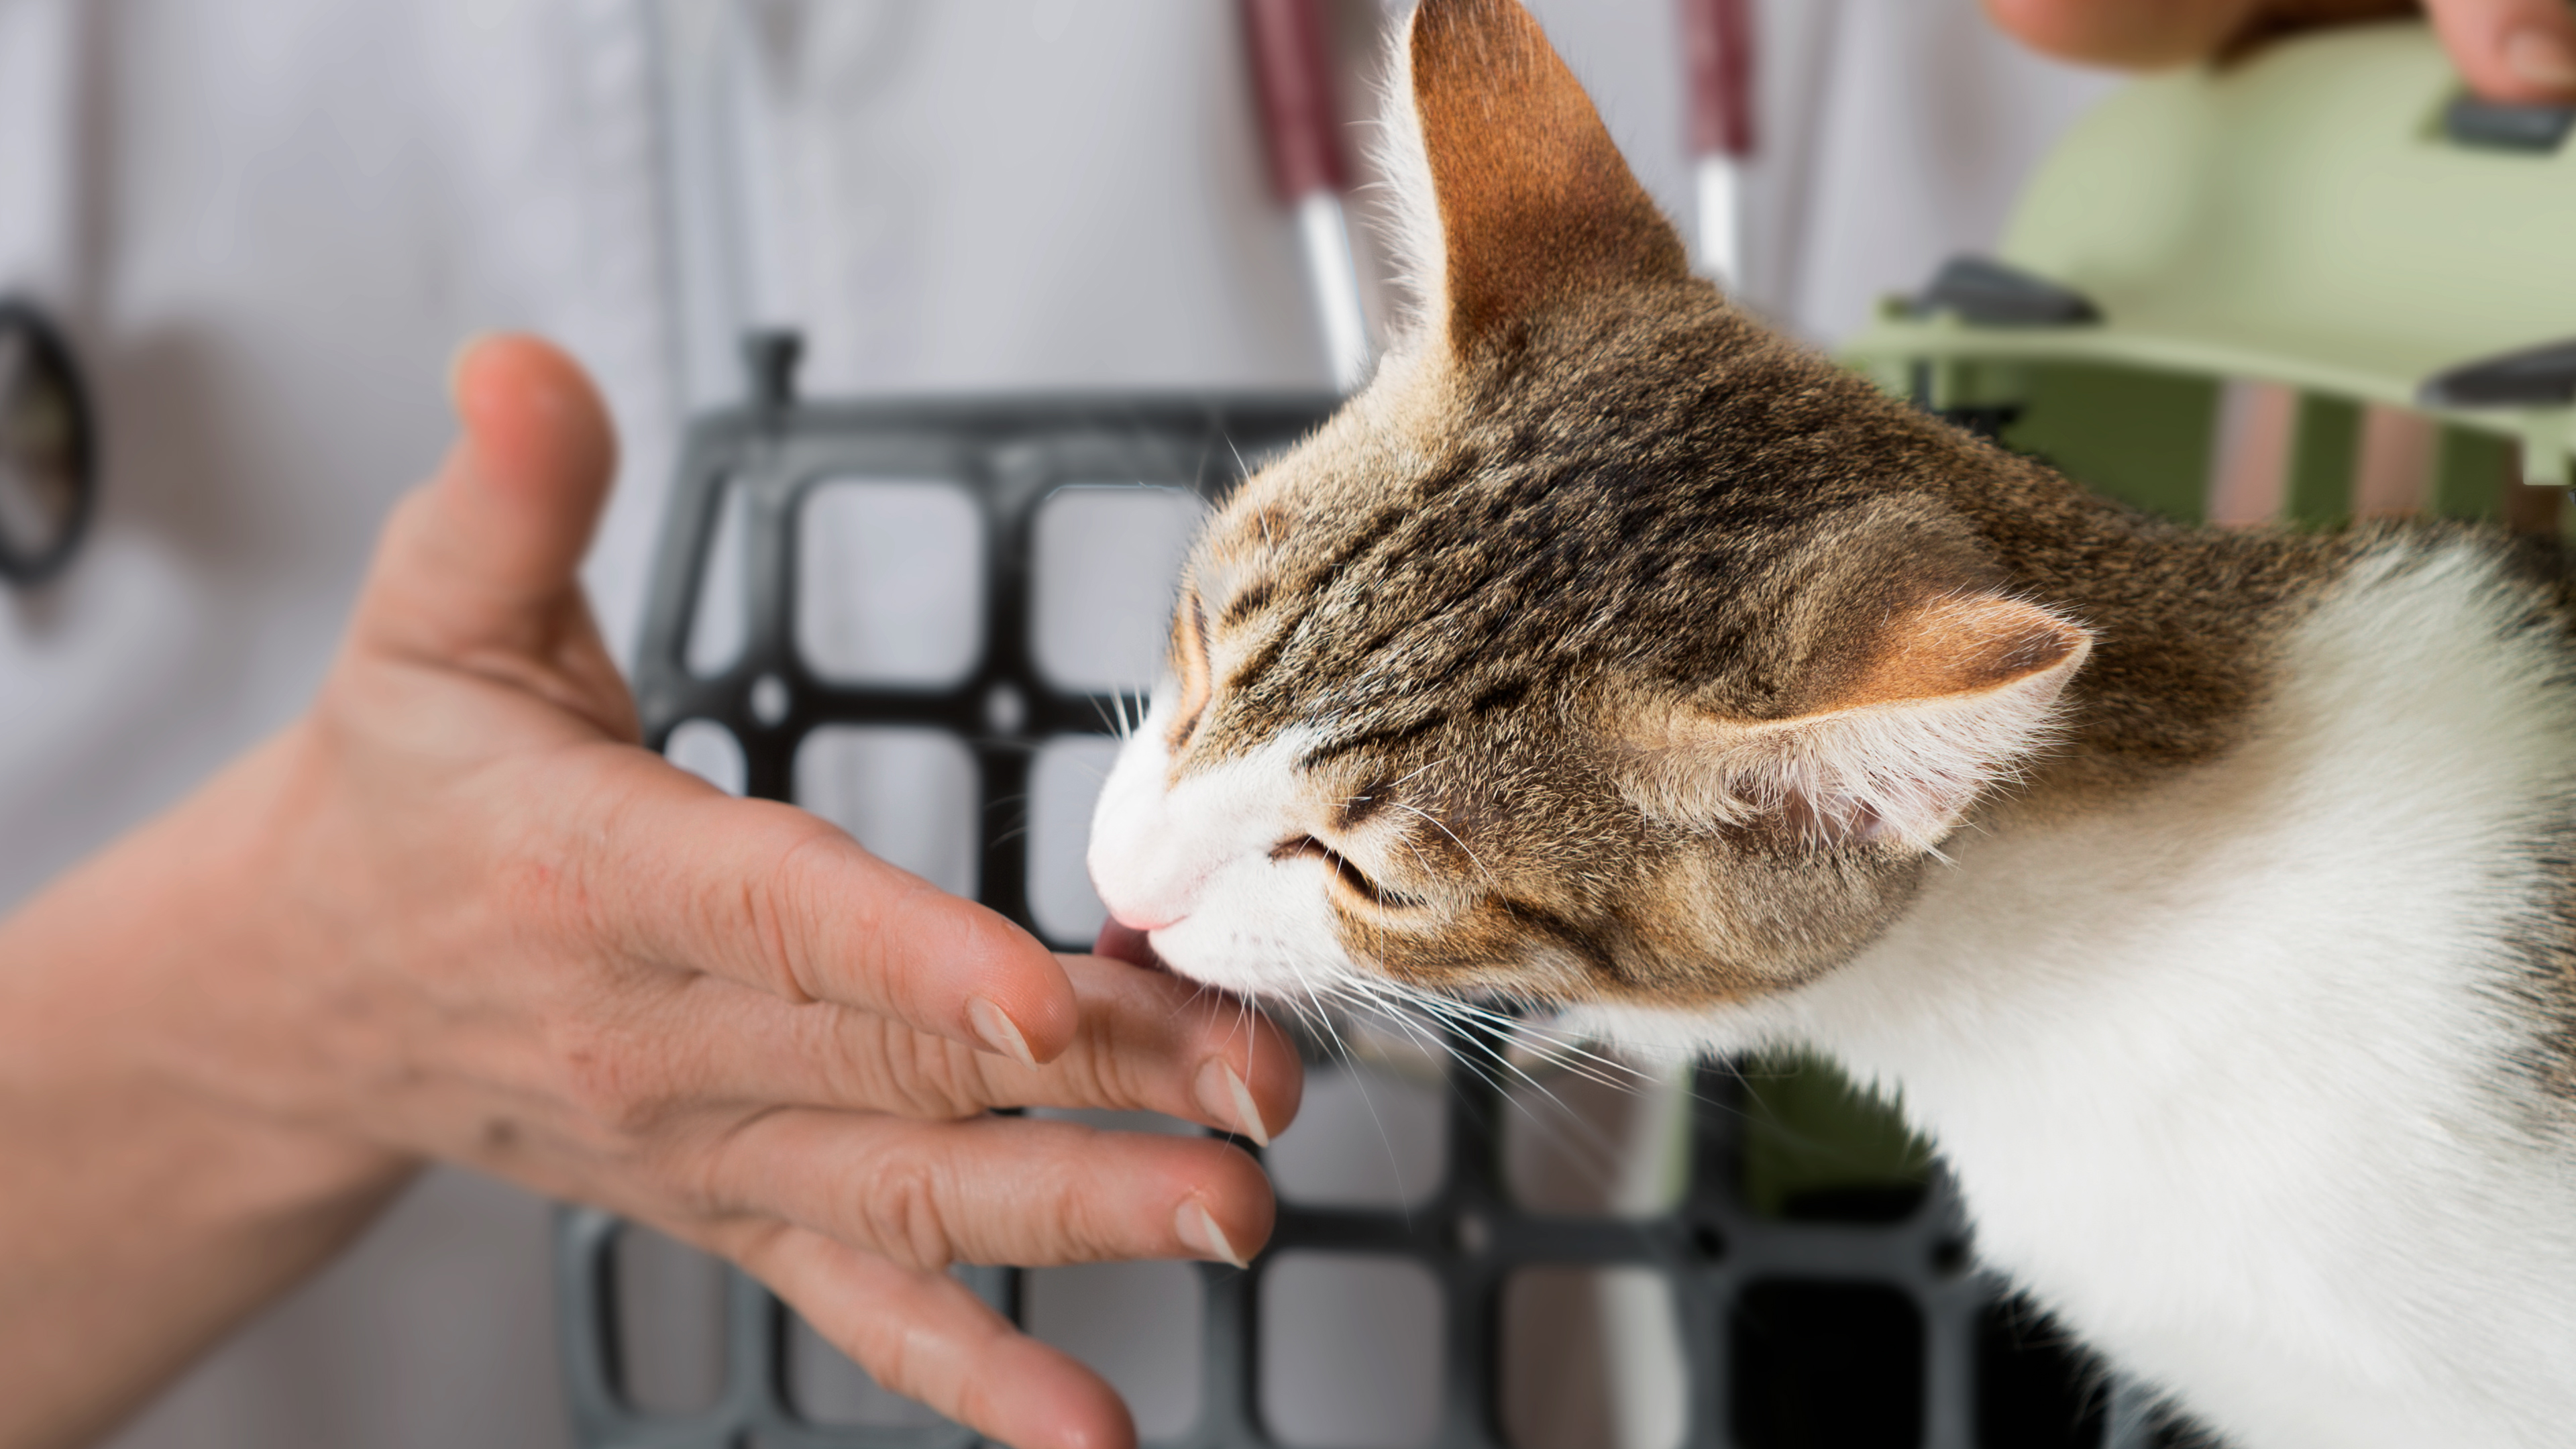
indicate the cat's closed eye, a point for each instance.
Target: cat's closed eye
{"x":1359,"y":882}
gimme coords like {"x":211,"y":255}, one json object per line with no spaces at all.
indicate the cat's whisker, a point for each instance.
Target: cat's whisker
{"x":1502,"y":1058}
{"x":1323,"y":1017}
{"x":1393,"y":1000}
{"x":1561,"y":1125}
{"x":1408,"y":775}
{"x":1497,"y":1071}
{"x":1571,"y":1052}
{"x":1438,"y":825}
{"x":1401,"y":1015}
{"x":1428,"y":870}
{"x":1359,"y":1079}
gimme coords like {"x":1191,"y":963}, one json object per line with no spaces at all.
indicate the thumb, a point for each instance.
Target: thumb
{"x":2131,"y":34}
{"x":483,"y":555}
{"x":479,"y":567}
{"x":2511,"y":50}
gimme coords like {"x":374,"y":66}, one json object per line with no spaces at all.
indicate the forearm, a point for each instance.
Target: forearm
{"x":141,"y":1215}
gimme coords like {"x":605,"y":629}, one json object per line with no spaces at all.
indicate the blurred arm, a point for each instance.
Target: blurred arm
{"x":2508,"y":50}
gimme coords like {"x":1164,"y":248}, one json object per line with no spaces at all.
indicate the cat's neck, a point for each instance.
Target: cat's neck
{"x":2334,"y":952}
{"x":2190,"y":624}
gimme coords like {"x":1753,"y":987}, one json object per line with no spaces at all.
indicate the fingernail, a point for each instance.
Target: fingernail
{"x":1224,"y":1097}
{"x":2541,"y":56}
{"x":997,"y":1033}
{"x":1200,"y":1232}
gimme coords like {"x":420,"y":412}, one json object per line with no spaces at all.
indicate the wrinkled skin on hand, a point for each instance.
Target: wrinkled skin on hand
{"x":456,"y":913}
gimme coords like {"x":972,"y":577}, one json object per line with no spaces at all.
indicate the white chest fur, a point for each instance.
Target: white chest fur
{"x":2228,"y":1073}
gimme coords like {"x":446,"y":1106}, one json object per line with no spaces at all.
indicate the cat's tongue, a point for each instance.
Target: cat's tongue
{"x":1125,"y":943}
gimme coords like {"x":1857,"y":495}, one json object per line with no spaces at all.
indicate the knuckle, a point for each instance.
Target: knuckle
{"x":721,"y":1174}
{"x":934,"y":1080}
{"x":870,"y":1061}
{"x":1079,"y":1231}
{"x":766,"y":908}
{"x":912,"y":1364}
{"x":892,"y":1361}
{"x":747,"y":1241}
{"x":1100,"y":1068}
{"x":902,"y":1216}
{"x":1130,"y":1068}
{"x":1086,"y":1216}
{"x":975,"y":1401}
{"x":624,"y":1091}
{"x":772,"y":914}
{"x":843,"y":1050}
{"x":1127,"y":1076}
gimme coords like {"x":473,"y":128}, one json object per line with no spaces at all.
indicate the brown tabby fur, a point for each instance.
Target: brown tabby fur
{"x":1590,"y":489}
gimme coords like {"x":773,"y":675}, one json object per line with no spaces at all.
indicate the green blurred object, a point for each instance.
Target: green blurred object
{"x":2323,"y":449}
{"x":2304,"y":216}
{"x":1817,"y":1147}
{"x":2140,"y":436}
{"x":2466,"y":474}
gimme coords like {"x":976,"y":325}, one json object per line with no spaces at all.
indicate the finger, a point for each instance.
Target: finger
{"x":1153,"y":1042}
{"x":921,"y":1334}
{"x":514,"y":505}
{"x":1147,"y":1042}
{"x":2130,"y":34}
{"x":773,"y":898}
{"x":480,"y":567}
{"x":2511,"y":50}
{"x":995,"y":1189}
{"x":1121,"y":942}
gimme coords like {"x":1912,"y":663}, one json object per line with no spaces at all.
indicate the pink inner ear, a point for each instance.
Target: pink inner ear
{"x":1955,"y":694}
{"x":1828,"y":823}
{"x":1959,"y":644}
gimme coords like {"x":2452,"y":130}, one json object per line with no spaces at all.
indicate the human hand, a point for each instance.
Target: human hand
{"x":2507,"y":50}
{"x":456,"y":913}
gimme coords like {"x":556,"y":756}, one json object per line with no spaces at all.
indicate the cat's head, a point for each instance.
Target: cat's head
{"x":1604,"y":649}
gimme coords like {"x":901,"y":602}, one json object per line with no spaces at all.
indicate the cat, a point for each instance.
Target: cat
{"x":2205,"y":896}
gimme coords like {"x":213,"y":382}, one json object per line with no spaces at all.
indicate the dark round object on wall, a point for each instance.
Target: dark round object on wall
{"x":48,"y":448}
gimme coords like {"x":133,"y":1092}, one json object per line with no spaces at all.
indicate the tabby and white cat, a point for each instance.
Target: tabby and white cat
{"x":2205,"y":896}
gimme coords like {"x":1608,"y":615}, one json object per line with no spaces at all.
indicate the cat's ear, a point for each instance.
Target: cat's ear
{"x":1951,"y":694}
{"x":1510,"y":194}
